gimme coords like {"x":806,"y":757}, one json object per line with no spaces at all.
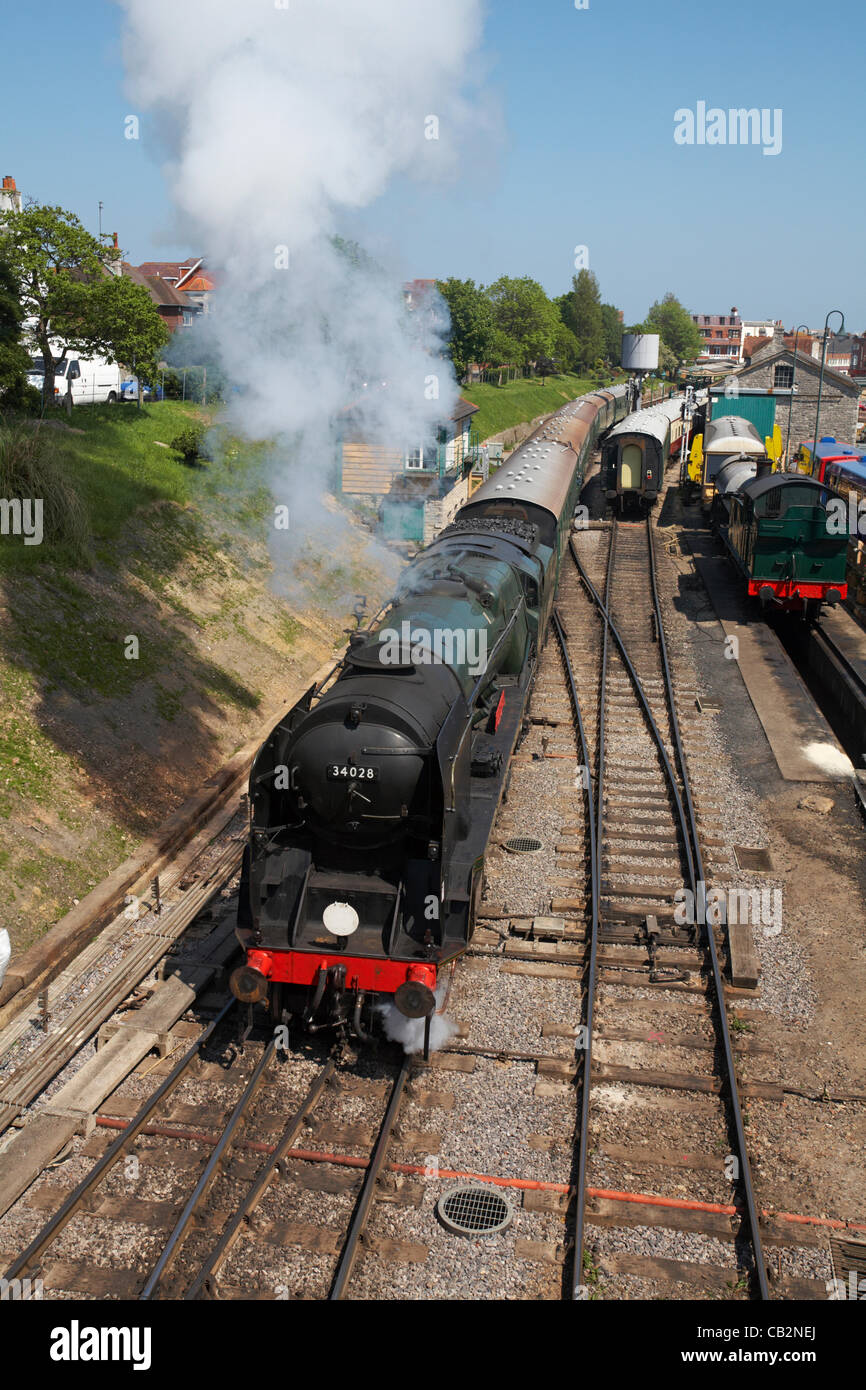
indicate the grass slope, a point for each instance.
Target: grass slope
{"x":101,"y":738}
{"x":501,"y":407}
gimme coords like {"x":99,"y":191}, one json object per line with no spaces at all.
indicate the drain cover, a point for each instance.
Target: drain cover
{"x":756,"y":860}
{"x":471,"y":1210}
{"x":523,"y":844}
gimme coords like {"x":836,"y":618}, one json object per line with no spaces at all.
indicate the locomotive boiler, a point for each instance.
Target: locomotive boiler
{"x":373,"y":799}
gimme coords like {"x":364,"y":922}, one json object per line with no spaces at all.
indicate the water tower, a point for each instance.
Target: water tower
{"x":640,"y":355}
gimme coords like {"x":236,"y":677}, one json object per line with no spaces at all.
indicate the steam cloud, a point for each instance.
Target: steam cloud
{"x":280,"y":121}
{"x":409,"y":1032}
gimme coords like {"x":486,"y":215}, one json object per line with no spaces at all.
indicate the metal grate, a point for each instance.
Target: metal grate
{"x":471,"y":1210}
{"x":523,"y":844}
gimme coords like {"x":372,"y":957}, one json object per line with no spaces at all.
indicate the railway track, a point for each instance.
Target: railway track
{"x":640,"y":836}
{"x":231,"y":1208}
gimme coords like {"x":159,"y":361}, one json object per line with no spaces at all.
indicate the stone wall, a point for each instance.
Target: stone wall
{"x":838,"y":403}
{"x":439,"y":514}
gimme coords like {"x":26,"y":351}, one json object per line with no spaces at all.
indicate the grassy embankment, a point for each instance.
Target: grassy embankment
{"x":97,"y":745}
{"x":501,"y":407}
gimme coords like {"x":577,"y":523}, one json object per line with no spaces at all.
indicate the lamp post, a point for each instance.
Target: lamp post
{"x":821,"y":378}
{"x":804,"y":326}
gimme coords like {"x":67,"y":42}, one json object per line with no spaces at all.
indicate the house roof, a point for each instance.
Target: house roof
{"x":170,"y":270}
{"x":804,"y":360}
{"x":463,"y":408}
{"x":161,"y":292}
{"x":198,"y":284}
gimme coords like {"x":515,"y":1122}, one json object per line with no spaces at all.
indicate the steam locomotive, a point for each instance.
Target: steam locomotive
{"x":372,"y":801}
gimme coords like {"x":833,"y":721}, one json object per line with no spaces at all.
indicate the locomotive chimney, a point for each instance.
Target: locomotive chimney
{"x":765,"y":466}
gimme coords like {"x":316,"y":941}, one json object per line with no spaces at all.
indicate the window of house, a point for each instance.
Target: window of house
{"x":783,"y":375}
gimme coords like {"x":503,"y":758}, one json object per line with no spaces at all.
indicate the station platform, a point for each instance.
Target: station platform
{"x":802,"y":742}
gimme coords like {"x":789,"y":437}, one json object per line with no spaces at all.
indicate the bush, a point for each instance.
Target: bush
{"x":189,"y":443}
{"x":22,"y":398}
{"x":31,"y":467}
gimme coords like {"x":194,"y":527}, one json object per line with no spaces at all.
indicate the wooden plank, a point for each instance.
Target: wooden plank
{"x":137,"y":1210}
{"x":397,"y":1251}
{"x":739,"y":1042}
{"x":669,"y":1271}
{"x":100,"y":1281}
{"x":539,"y":1251}
{"x":322,"y":1239}
{"x":541,"y":970}
{"x":433,"y":1100}
{"x":683,"y":1081}
{"x":448,"y":1061}
{"x":556,"y":1202}
{"x":635,"y":1157}
{"x":344,"y":1136}
{"x":744,"y":958}
{"x":609,"y":1211}
{"x":422,"y":1141}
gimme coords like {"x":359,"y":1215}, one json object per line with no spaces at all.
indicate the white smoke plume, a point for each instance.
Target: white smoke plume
{"x":409,"y":1032}
{"x":282,"y":119}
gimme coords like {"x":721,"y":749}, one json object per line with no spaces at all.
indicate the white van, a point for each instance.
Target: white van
{"x":92,"y":379}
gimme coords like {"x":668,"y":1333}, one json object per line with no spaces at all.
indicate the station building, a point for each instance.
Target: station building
{"x":763,"y":394}
{"x":417,"y":491}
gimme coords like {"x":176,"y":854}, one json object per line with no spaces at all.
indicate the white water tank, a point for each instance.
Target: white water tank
{"x":640,"y":352}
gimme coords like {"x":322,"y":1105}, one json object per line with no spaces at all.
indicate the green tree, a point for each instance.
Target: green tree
{"x":566,"y":347}
{"x":675,"y":326}
{"x":473,"y":330}
{"x":73,"y":300}
{"x":14,"y":359}
{"x":581,"y":312}
{"x":525,"y":317}
{"x":612,"y":326}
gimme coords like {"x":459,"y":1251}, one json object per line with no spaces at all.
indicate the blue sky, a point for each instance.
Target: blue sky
{"x":582,"y":154}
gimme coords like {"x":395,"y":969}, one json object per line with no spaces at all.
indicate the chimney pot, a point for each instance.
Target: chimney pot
{"x":9,"y":182}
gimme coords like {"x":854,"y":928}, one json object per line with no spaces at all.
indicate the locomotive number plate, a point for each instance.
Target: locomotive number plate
{"x":350,"y":772}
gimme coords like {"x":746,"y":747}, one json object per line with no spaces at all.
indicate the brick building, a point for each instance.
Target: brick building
{"x":722,"y":335}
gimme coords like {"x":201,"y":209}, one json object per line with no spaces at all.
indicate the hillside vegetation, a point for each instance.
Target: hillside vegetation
{"x":143,"y":642}
{"x":514,"y":403}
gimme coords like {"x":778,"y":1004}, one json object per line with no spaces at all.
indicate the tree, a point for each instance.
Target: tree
{"x":473,"y":330}
{"x":566,"y":347}
{"x":611,"y":320}
{"x":677,"y":329}
{"x":581,"y":312}
{"x":525,"y":316}
{"x":14,"y":359}
{"x":70,"y":297}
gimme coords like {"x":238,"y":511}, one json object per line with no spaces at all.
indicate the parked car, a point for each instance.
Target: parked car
{"x":92,"y":379}
{"x":129,"y":390}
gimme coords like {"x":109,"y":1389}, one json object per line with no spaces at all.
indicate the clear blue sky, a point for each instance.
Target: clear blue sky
{"x":583,"y":153}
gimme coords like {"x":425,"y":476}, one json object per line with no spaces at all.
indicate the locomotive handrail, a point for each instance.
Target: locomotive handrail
{"x":478,"y":686}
